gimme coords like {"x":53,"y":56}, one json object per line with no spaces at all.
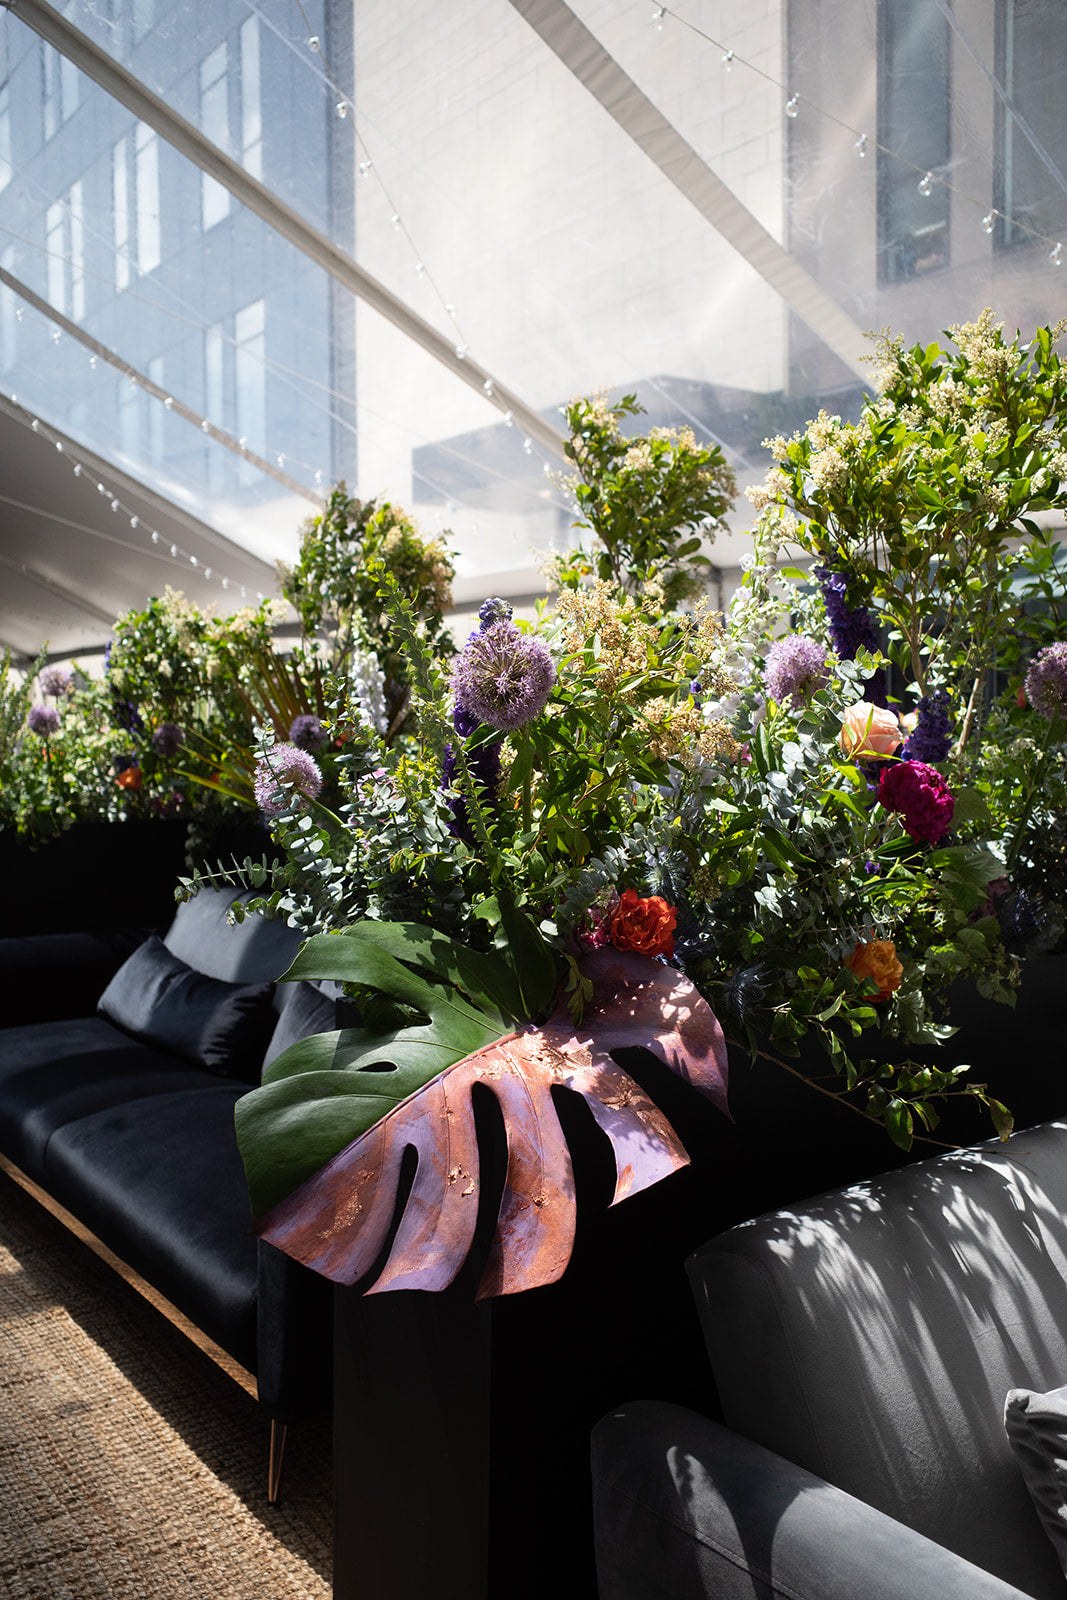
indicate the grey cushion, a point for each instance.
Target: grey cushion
{"x":871,"y":1336}
{"x":1036,"y":1425}
{"x":254,"y":951}
{"x":306,"y":1010}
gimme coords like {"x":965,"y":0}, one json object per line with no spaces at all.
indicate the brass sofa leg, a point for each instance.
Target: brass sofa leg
{"x":274,"y":1469}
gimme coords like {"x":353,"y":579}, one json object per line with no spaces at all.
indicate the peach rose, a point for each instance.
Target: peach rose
{"x":129,"y":778}
{"x":646,"y":926}
{"x":878,"y":961}
{"x":868,"y":730}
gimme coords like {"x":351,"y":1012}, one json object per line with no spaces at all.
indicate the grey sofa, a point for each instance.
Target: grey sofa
{"x":863,"y":1345}
{"x":128,"y":1135}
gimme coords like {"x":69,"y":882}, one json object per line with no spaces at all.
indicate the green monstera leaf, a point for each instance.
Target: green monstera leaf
{"x":323,"y":1092}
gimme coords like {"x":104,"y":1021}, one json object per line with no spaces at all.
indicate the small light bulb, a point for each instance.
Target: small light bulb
{"x":174,"y":550}
{"x":20,"y":312}
{"x":860,"y":146}
{"x":193,"y":562}
{"x":509,"y":420}
{"x":115,"y":503}
{"x":57,"y":334}
{"x":527,"y":445}
{"x":225,"y":583}
{"x":657,"y":16}
{"x":1055,"y":255}
{"x":207,"y":572}
{"x":101,"y":488}
{"x":78,"y":470}
{"x":727,"y":60}
{"x":133,"y":381}
{"x":364,"y":168}
{"x":204,"y":425}
{"x":168,"y":404}
{"x":318,"y":478}
{"x":420,"y":267}
{"x":926,"y":183}
{"x":59,"y":446}
{"x":792,"y":105}
{"x":488,"y":386}
{"x":35,"y":425}
{"x":342,"y":109}
{"x":988,"y":220}
{"x":461,"y":351}
{"x":313,"y":42}
{"x":280,"y":460}
{"x":395,"y":219}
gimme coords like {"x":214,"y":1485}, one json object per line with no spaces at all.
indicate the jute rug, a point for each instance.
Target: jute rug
{"x":131,"y":1468}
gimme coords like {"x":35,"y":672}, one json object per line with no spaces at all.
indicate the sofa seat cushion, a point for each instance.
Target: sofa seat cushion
{"x":53,"y":1073}
{"x":160,"y":1181}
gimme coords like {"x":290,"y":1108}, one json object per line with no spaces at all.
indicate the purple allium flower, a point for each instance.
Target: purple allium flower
{"x":932,"y":738}
{"x":167,"y":739}
{"x":494,"y":610}
{"x":307,"y":733}
{"x":282,"y":769}
{"x":795,"y":670}
{"x":56,"y":679}
{"x":922,"y":797}
{"x":42,"y":720}
{"x":1046,"y":681}
{"x":503,"y":677}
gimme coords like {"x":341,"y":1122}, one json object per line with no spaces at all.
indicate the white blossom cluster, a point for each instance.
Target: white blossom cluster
{"x":368,"y":688}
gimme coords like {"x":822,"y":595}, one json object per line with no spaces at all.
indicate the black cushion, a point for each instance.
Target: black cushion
{"x":55,"y":1072}
{"x":157,"y":998}
{"x":160,"y":1181}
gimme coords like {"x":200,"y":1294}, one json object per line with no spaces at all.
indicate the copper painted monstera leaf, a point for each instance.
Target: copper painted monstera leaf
{"x":337,"y":1219}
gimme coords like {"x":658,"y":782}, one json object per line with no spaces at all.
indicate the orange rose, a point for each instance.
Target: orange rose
{"x":868,"y":730}
{"x":129,"y":778}
{"x":878,"y":961}
{"x":646,"y":926}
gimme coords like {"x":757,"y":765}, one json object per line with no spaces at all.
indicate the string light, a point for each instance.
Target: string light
{"x":313,"y":42}
{"x":658,"y":16}
{"x":792,"y":105}
{"x":727,"y":60}
{"x":342,"y":109}
{"x":926,"y":183}
{"x":1055,"y":255}
{"x":988,"y":220}
{"x":860,"y":146}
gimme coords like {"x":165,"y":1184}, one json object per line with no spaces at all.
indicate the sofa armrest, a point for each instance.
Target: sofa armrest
{"x":684,"y":1508}
{"x":294,"y":1337}
{"x":50,"y":976}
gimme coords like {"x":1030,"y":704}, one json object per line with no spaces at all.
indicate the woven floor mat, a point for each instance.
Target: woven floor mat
{"x":131,"y":1468}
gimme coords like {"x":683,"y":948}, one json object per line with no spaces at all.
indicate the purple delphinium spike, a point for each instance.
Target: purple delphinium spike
{"x":932,"y":738}
{"x":850,"y":628}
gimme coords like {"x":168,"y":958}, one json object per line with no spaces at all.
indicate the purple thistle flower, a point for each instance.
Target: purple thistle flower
{"x":503,"y":677}
{"x":795,"y":670}
{"x":167,"y":739}
{"x":1046,"y":681}
{"x":56,"y":679}
{"x":281,"y":770}
{"x":932,"y":738}
{"x":307,"y":733}
{"x":42,"y":720}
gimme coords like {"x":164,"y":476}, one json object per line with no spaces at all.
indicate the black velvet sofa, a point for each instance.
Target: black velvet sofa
{"x":120,"y":1121}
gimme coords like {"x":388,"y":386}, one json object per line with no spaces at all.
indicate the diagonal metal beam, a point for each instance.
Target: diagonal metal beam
{"x":583,"y":55}
{"x":184,"y":137}
{"x":178,"y":407}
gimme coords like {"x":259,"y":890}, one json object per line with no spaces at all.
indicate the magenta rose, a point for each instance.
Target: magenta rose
{"x":922,"y":797}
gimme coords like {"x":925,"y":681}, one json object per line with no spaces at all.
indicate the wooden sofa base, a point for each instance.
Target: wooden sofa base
{"x":160,"y":1303}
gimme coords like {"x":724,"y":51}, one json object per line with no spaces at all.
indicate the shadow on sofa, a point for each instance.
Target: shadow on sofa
{"x":863,"y":1346}
{"x":121,"y":1123}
